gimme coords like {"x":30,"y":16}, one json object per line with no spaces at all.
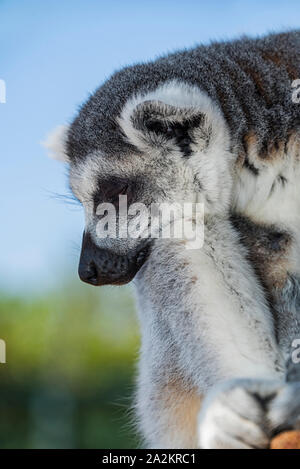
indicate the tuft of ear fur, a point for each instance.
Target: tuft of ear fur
{"x":174,"y":113}
{"x":56,"y":143}
{"x":149,"y":113}
{"x":168,"y":122}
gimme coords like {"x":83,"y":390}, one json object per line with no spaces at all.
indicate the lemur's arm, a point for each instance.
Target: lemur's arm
{"x":204,"y":322}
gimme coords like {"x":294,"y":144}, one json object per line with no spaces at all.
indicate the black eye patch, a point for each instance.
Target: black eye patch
{"x":109,"y":190}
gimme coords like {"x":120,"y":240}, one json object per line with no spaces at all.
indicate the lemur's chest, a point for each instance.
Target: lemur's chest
{"x":267,"y":207}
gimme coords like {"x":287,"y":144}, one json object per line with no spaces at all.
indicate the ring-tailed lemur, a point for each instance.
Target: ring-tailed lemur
{"x":215,"y":124}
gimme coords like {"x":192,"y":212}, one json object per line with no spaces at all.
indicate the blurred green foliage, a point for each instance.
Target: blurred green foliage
{"x":69,"y":377}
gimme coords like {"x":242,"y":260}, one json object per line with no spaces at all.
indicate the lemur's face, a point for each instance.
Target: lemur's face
{"x":156,"y":151}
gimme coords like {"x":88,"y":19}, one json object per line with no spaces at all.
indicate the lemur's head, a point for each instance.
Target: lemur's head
{"x":160,"y":143}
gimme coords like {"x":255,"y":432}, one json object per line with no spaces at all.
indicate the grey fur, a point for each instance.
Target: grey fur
{"x":249,"y":79}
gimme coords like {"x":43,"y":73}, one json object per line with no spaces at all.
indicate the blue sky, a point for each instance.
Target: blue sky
{"x":53,"y":54}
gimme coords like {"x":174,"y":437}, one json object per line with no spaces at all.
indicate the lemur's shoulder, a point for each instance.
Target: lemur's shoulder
{"x":254,"y":89}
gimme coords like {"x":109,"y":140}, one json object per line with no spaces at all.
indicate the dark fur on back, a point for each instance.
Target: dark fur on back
{"x":250,"y":79}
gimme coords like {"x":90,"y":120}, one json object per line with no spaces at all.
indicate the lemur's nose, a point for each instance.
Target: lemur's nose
{"x":102,"y":267}
{"x":88,"y":273}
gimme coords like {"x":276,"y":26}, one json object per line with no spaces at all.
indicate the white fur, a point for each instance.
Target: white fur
{"x":266,"y":200}
{"x":214,"y":326}
{"x":174,"y":93}
{"x":56,"y":143}
{"x":214,"y":162}
{"x":232,"y":416}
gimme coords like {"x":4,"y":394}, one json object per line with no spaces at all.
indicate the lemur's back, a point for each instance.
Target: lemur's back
{"x":250,"y":79}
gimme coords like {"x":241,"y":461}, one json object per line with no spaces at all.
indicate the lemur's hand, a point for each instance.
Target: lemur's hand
{"x":245,"y":414}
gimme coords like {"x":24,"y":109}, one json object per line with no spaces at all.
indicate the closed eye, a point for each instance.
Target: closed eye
{"x":109,"y":191}
{"x":111,"y":194}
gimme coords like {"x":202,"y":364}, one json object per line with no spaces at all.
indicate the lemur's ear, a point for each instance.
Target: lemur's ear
{"x":160,"y":117}
{"x":157,"y":124}
{"x":160,"y":123}
{"x":56,"y":143}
